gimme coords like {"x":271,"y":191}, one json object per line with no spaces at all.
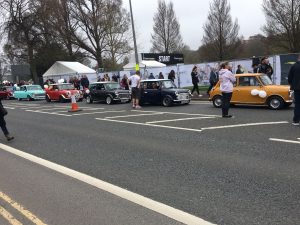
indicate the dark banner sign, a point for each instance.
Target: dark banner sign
{"x":168,"y":59}
{"x":286,"y":63}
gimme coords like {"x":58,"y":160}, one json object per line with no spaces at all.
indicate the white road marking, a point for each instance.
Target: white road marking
{"x":50,"y":113}
{"x":176,"y":113}
{"x":103,"y":112}
{"x":145,"y":202}
{"x":9,"y":107}
{"x":114,"y":117}
{"x":150,"y":125}
{"x":181,"y":119}
{"x":244,"y":125}
{"x":285,"y":141}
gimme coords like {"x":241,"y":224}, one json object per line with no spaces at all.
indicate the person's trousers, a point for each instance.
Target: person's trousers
{"x":195,"y":88}
{"x":3,"y":125}
{"x":296,"y":118}
{"x":226,"y":97}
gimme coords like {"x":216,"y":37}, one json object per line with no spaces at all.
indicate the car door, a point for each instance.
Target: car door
{"x":54,"y":92}
{"x":242,"y":91}
{"x":23,"y":92}
{"x":100,"y":92}
{"x":153,"y":92}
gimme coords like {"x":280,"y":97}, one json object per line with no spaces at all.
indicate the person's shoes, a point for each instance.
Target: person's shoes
{"x":138,"y":107}
{"x":296,"y":123}
{"x":200,"y":95}
{"x":227,"y":116}
{"x":133,"y":106}
{"x":9,"y":138}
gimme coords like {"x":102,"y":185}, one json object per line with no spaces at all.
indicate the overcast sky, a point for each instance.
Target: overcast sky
{"x":192,"y":14}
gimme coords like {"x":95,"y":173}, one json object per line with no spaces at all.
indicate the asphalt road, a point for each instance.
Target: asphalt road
{"x":225,"y":171}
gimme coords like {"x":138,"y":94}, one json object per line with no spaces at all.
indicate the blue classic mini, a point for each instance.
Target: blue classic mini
{"x":30,"y":92}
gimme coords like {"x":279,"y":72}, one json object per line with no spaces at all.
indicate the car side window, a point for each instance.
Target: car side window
{"x":248,"y":81}
{"x":100,"y":87}
{"x":22,"y":88}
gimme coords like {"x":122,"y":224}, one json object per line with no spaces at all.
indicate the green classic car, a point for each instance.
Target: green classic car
{"x":30,"y":92}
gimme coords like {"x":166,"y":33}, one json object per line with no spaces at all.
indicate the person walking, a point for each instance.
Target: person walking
{"x":213,"y":79}
{"x":135,"y":89}
{"x":227,"y":79}
{"x":294,"y":81}
{"x":195,"y":80}
{"x":3,"y":113}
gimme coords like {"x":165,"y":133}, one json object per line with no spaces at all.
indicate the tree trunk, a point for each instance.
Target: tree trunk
{"x":32,"y":64}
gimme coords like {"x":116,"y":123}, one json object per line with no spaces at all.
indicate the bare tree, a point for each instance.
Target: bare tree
{"x":102,"y":25}
{"x":23,"y":29}
{"x":283,"y":23}
{"x":166,"y":37}
{"x":118,"y":37}
{"x":220,"y":33}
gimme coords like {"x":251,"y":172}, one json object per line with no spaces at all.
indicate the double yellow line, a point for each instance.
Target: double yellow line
{"x":10,"y":218}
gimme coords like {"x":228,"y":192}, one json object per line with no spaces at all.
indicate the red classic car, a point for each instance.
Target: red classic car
{"x":6,"y":92}
{"x":62,"y":92}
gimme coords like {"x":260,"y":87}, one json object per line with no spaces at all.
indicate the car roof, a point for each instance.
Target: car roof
{"x":248,"y":74}
{"x":149,"y":80}
{"x":105,"y":82}
{"x":29,"y":85}
{"x":59,"y":84}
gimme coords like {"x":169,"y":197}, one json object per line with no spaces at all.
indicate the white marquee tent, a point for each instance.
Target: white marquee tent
{"x":62,"y":69}
{"x":144,"y":64}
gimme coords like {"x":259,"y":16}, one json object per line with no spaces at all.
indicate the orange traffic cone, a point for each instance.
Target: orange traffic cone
{"x":74,"y":105}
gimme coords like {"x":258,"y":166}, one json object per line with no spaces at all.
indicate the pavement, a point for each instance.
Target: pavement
{"x":243,"y":170}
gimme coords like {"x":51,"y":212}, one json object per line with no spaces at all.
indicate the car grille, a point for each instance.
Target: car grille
{"x":183,"y":96}
{"x":124,"y":96}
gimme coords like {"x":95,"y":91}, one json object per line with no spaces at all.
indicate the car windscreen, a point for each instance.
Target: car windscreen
{"x":34,"y":88}
{"x":168,"y":84}
{"x":66,"y":87}
{"x":265,"y":80}
{"x":112,"y":86}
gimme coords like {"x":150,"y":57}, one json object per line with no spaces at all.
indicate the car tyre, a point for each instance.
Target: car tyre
{"x":217,"y":101}
{"x":48,"y":99}
{"x":167,"y":101}
{"x":275,"y":103}
{"x":61,"y":99}
{"x":89,"y":100}
{"x":108,"y":100}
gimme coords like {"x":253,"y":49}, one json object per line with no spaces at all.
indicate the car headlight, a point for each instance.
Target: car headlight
{"x":117,"y":93}
{"x":189,"y":91}
{"x":176,"y":93}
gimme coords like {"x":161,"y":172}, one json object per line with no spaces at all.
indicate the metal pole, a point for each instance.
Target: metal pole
{"x":134,"y":39}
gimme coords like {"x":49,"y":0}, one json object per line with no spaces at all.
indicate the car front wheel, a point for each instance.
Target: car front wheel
{"x":167,"y":101}
{"x":276,"y":102}
{"x":217,"y":101}
{"x":108,"y":100}
{"x":89,"y":100}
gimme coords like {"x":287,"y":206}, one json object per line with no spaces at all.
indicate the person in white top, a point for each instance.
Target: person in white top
{"x":135,"y":89}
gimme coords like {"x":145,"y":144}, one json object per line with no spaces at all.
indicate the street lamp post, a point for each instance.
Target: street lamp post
{"x":134,"y":39}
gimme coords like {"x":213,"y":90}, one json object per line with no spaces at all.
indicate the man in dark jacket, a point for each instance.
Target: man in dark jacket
{"x":294,"y":81}
{"x":265,"y":67}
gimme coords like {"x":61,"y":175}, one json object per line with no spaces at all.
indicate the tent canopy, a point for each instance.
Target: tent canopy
{"x":61,"y":68}
{"x":145,"y":63}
